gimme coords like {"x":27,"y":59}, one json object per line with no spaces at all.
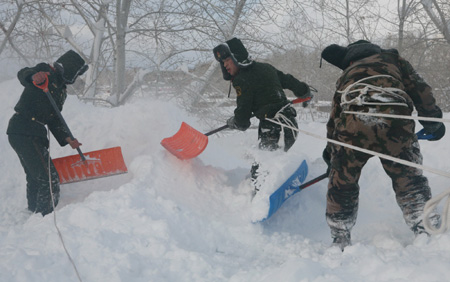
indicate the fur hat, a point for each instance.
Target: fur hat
{"x":334,"y":54}
{"x":341,"y":57}
{"x":70,"y":65}
{"x":236,"y":50}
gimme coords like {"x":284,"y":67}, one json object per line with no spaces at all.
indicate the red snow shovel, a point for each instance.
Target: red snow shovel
{"x":188,"y":142}
{"x":91,"y":165}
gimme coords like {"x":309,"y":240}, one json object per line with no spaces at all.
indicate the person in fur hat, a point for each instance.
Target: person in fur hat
{"x":27,"y":131}
{"x":376,"y":80}
{"x":259,"y":89}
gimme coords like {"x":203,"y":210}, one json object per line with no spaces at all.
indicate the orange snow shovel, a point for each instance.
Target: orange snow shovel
{"x":188,"y":142}
{"x":91,"y":165}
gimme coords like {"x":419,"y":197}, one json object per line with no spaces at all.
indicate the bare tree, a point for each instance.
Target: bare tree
{"x":405,"y":9}
{"x":7,"y":31}
{"x":439,"y":13}
{"x":346,"y":19}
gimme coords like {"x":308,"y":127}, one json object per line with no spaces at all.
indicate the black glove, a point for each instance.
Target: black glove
{"x":326,"y":156}
{"x":308,"y":94}
{"x":432,"y":134}
{"x":306,"y":103}
{"x":232,"y":123}
{"x":439,"y":133}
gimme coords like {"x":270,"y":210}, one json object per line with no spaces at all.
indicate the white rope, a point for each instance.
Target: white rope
{"x":287,"y":122}
{"x":54,"y":212}
{"x":397,"y":116}
{"x":430,"y":206}
{"x":387,"y":157}
{"x":363,"y":93}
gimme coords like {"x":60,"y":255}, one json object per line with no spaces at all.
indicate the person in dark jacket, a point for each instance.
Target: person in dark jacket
{"x":259,"y":88}
{"x":376,"y":80}
{"x":27,"y":131}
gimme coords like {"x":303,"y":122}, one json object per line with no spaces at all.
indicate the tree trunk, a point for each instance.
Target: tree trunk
{"x":92,"y":74}
{"x":203,"y":85}
{"x":439,"y":20}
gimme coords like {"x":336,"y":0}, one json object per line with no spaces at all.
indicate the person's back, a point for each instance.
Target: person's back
{"x":376,"y":81}
{"x":382,"y":70}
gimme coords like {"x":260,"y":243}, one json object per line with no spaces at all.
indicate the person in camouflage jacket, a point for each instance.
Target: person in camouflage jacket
{"x":27,"y":131}
{"x":259,"y":88}
{"x":380,"y":81}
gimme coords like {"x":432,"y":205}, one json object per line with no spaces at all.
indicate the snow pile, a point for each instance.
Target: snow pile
{"x":172,"y":220}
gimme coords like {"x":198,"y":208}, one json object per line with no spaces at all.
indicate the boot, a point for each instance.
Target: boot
{"x":341,"y":238}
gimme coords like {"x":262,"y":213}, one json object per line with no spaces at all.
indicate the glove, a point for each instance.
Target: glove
{"x":306,"y":103}
{"x":326,"y":156}
{"x":308,"y":94}
{"x":40,"y":77}
{"x":435,"y":135}
{"x":231,"y":123}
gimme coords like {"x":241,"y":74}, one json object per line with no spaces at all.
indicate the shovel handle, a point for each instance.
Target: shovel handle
{"x":217,"y":130}
{"x":295,"y":101}
{"x":313,"y":181}
{"x":44,"y":87}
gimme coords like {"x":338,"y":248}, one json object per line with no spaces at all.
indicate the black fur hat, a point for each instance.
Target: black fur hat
{"x":72,"y":66}
{"x":236,"y":50}
{"x":334,"y":54}
{"x":341,"y":57}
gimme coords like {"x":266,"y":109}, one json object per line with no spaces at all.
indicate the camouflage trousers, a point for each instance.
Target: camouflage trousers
{"x":392,"y":137}
{"x":33,"y":154}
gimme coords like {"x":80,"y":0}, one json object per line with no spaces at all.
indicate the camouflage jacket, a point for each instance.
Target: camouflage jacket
{"x":34,"y":110}
{"x":259,"y":90}
{"x":417,"y":93}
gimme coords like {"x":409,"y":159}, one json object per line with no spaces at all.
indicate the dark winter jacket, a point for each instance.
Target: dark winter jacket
{"x":259,"y":88}
{"x":34,"y":110}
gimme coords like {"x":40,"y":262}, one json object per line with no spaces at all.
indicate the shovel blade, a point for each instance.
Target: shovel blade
{"x":101,"y":163}
{"x":187,"y":143}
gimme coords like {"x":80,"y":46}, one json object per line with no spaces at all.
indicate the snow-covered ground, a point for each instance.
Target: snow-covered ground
{"x":172,"y":220}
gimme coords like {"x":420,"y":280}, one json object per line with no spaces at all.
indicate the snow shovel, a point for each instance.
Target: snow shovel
{"x":188,"y":142}
{"x":101,"y":163}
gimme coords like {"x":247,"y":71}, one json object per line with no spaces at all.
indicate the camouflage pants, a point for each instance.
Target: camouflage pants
{"x":33,"y":154}
{"x":269,"y":133}
{"x":391,"y":137}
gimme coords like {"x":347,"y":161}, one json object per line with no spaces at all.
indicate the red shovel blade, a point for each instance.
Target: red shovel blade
{"x":101,"y":163}
{"x":187,"y":143}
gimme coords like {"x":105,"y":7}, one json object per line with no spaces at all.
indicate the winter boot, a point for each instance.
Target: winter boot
{"x":341,"y":238}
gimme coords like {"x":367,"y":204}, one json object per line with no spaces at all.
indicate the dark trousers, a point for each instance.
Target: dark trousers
{"x":34,"y":157}
{"x":269,"y":133}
